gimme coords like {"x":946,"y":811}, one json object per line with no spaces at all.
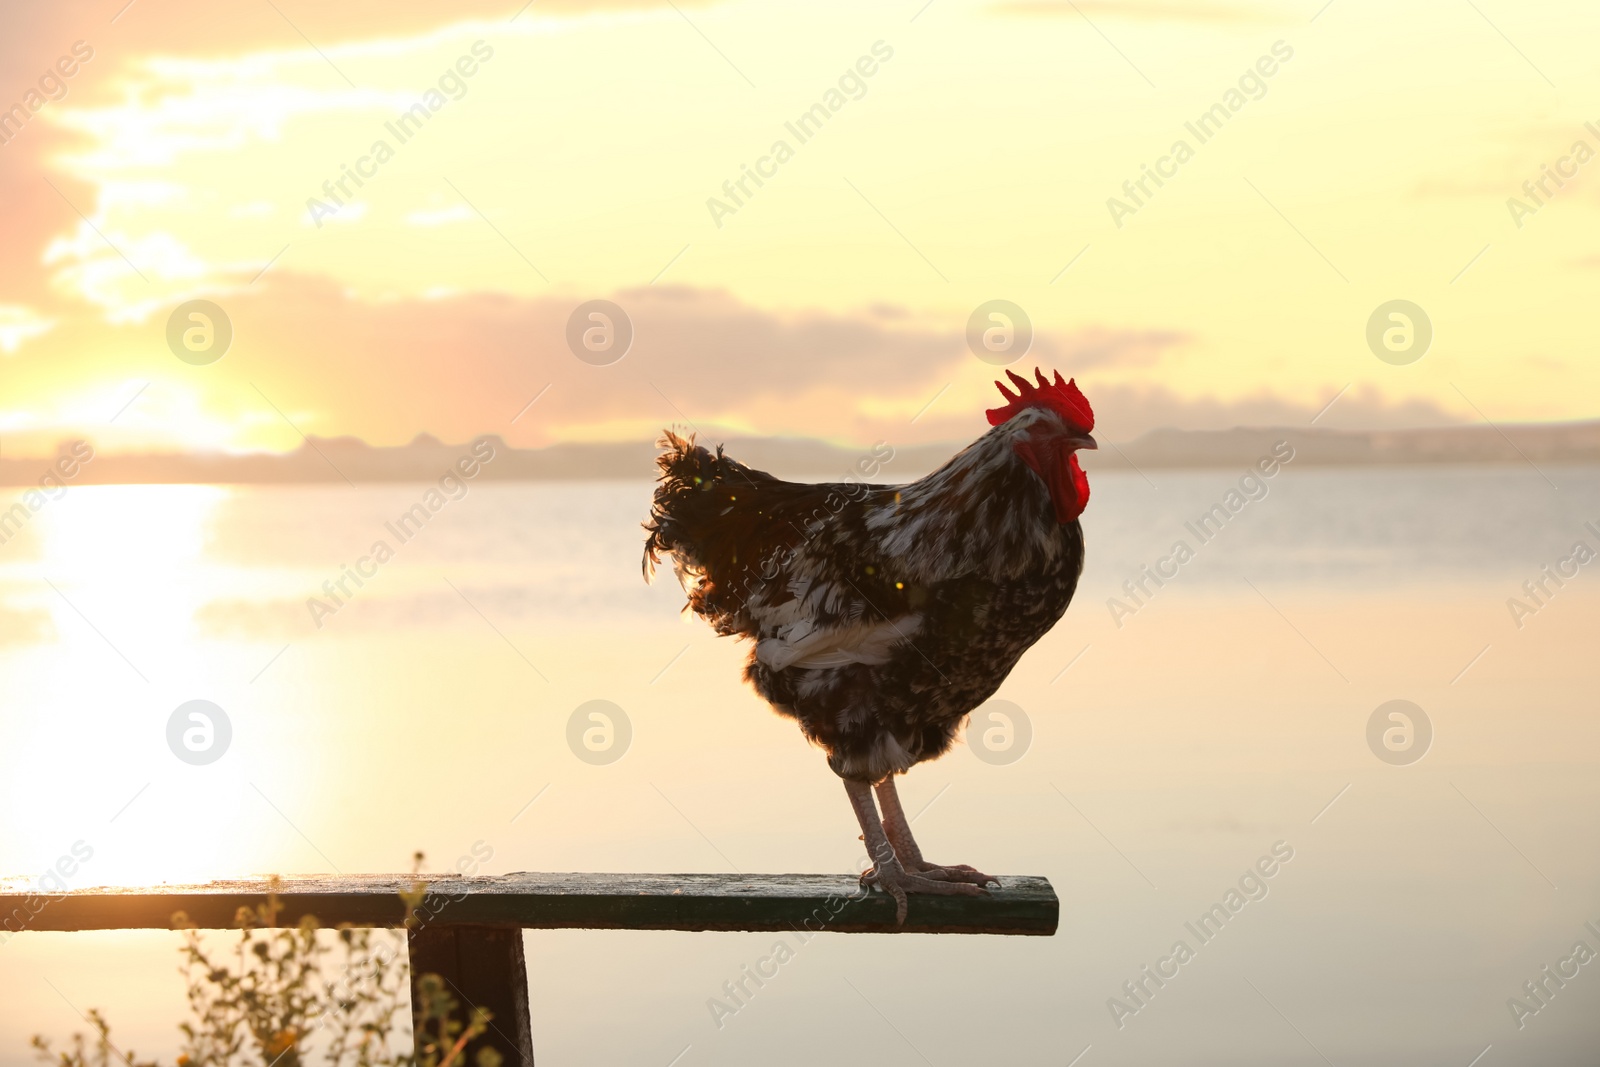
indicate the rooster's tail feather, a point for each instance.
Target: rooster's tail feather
{"x":728,"y":529}
{"x":684,"y":467}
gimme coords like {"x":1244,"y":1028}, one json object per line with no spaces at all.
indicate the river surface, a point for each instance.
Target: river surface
{"x":1169,"y":741}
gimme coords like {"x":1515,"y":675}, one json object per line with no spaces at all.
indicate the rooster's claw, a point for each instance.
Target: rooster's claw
{"x":895,"y":880}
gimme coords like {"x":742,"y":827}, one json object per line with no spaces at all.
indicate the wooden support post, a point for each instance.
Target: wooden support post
{"x":483,"y":967}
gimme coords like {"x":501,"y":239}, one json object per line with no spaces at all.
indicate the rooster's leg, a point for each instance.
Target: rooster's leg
{"x":887,"y":873}
{"x":898,"y":829}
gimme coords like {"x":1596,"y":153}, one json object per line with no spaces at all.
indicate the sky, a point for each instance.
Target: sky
{"x":957,"y":153}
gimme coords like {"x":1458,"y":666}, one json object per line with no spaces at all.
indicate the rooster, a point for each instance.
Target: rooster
{"x":881,"y":615}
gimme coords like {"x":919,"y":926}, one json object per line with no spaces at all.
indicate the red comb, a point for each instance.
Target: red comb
{"x":1064,"y":398}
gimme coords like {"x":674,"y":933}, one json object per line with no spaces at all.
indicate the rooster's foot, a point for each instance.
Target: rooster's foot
{"x":897,"y":882}
{"x":954,"y":872}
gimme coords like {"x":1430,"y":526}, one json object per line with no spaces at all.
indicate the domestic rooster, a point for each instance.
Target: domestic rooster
{"x":881,"y":615}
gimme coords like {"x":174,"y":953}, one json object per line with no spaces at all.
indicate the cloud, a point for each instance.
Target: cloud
{"x":458,"y":365}
{"x":308,"y":353}
{"x":196,"y":28}
{"x":464,"y":364}
{"x":1124,"y":412}
{"x":1511,"y":156}
{"x":19,"y":325}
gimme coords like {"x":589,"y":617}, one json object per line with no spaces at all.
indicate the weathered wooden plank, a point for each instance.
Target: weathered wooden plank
{"x":483,"y":967}
{"x":1023,"y":904}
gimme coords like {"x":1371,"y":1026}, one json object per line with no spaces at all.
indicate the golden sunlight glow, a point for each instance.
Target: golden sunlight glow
{"x":563,"y":156}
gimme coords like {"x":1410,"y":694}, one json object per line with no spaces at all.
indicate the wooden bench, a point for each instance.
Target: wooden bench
{"x":470,"y":929}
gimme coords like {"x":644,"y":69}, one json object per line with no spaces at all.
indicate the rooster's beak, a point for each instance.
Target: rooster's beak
{"x":1084,"y":441}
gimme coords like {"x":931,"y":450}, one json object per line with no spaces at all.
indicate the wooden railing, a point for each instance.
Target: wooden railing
{"x":469,"y":930}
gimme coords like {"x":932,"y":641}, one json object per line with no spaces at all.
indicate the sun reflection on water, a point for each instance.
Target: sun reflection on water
{"x":119,"y":571}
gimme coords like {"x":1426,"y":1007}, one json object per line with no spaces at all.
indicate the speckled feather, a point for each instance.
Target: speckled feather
{"x":880,"y":615}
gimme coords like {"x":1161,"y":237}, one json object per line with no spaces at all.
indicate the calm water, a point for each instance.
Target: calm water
{"x":1169,"y":754}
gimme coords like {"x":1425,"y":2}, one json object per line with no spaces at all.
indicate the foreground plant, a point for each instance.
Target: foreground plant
{"x":286,"y":997}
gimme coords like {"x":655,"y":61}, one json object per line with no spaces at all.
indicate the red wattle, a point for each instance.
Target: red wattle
{"x":1066,"y":481}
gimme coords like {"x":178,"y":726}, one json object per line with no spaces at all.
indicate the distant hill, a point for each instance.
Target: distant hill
{"x":1569,"y":442}
{"x":426,"y":458}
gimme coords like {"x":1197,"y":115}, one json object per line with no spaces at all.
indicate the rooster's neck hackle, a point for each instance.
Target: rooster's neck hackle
{"x":983,"y":511}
